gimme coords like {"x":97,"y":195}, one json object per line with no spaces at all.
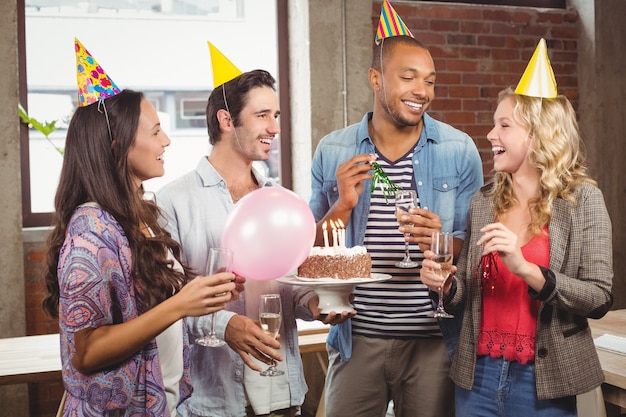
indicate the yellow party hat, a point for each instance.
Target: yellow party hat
{"x":538,"y":78}
{"x":223,"y":69}
{"x":390,"y":24}
{"x":93,"y":82}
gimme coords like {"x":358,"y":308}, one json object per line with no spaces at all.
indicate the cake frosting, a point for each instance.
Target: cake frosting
{"x":337,"y":262}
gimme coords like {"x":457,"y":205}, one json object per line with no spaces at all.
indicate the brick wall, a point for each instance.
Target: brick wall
{"x":481,"y":49}
{"x":37,"y":321}
{"x":44,"y":397}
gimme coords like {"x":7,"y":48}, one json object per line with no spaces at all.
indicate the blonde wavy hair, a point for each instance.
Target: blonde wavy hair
{"x":557,"y":152}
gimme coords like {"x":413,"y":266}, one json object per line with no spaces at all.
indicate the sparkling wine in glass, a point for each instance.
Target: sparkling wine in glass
{"x":443,"y":247}
{"x":405,"y":200}
{"x":220,"y":260}
{"x":270,"y":316}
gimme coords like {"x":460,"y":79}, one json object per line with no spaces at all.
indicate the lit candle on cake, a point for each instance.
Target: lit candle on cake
{"x":342,"y":233}
{"x":324,"y":227}
{"x":335,"y":239}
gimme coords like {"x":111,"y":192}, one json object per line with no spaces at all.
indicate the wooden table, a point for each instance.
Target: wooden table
{"x":312,"y":339}
{"x":30,"y":359}
{"x":312,"y":336}
{"x":37,"y":358}
{"x":613,"y":364}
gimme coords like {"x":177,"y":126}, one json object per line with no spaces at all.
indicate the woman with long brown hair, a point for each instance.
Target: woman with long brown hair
{"x":114,"y":276}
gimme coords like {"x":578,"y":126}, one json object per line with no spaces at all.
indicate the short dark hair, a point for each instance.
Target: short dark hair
{"x":236,"y":93}
{"x":387,"y":46}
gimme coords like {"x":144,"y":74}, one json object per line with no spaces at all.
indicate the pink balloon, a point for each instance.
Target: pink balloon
{"x":270,"y":231}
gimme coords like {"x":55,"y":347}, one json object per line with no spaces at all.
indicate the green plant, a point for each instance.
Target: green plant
{"x":46,"y":128}
{"x":381,"y":179}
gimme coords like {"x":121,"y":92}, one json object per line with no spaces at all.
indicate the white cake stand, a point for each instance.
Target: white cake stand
{"x":334,"y":294}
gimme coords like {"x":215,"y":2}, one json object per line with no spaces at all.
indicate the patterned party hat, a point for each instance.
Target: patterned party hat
{"x":538,"y":78}
{"x":390,"y":24}
{"x":223,"y":69}
{"x":93,"y":83}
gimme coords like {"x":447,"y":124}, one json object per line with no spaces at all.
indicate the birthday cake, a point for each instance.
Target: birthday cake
{"x":337,"y":262}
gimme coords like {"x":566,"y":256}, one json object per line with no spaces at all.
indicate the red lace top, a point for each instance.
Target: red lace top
{"x":509,"y":319}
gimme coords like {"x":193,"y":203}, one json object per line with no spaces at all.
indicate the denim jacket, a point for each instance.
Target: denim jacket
{"x":447,"y":170}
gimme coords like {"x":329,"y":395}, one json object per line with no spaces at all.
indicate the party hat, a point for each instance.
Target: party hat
{"x":390,"y":24}
{"x":538,"y":78}
{"x":93,"y":83}
{"x":223,"y":69}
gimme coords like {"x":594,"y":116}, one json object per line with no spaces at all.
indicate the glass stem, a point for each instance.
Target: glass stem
{"x":440,"y":301}
{"x":213,"y":325}
{"x":406,"y":247}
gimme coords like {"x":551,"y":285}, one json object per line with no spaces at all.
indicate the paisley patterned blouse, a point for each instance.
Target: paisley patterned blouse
{"x":96,"y":289}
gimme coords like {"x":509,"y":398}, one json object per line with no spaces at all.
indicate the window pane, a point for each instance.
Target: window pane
{"x":155,"y":46}
{"x":190,"y":110}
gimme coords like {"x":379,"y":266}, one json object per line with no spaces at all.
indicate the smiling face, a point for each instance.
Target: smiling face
{"x":145,"y":157}
{"x":405,"y":87}
{"x":510,"y":140}
{"x":258,"y":124}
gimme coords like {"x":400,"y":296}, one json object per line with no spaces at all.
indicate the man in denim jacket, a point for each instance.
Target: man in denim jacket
{"x":392,"y":350}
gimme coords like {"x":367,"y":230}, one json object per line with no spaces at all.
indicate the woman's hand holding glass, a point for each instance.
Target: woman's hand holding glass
{"x":437,"y":269}
{"x":431,"y":278}
{"x":198,"y":297}
{"x":442,"y":247}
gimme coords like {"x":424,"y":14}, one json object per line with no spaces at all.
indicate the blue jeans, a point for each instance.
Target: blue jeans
{"x":507,"y":389}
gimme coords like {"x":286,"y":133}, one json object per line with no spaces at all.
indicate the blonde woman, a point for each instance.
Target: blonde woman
{"x":536,"y":264}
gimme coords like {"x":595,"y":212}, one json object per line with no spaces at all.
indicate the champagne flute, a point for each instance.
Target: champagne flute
{"x":270,"y":316}
{"x":442,"y":245}
{"x":220,"y":260}
{"x":405,"y":200}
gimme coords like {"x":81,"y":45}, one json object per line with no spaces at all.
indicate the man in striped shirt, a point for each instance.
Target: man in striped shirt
{"x":392,"y":350}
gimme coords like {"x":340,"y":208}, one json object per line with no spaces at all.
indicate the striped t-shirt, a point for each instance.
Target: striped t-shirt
{"x":396,"y":308}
